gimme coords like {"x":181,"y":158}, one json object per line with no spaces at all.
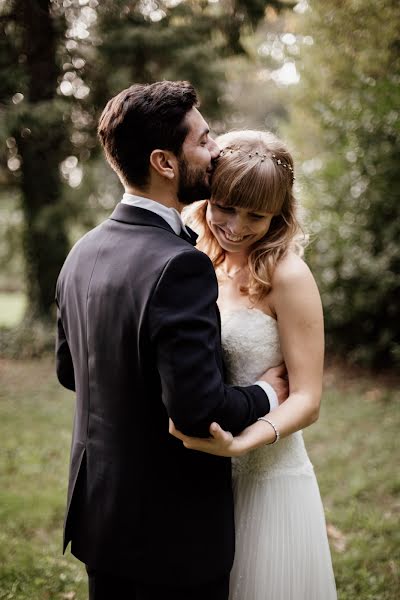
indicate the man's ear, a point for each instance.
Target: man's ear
{"x":165,"y":163}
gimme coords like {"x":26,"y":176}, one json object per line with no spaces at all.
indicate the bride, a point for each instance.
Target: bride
{"x":271,"y":312}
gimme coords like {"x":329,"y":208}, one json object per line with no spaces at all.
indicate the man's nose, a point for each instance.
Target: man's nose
{"x":214,"y":149}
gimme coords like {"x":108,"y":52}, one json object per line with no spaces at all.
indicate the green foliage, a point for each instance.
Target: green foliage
{"x":350,"y":94}
{"x":11,"y":267}
{"x":191,"y":40}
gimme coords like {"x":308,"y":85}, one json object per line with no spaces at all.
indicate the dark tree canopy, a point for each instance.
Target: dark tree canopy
{"x":61,"y":60}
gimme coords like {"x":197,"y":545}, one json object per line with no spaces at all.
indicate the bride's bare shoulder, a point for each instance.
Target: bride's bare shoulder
{"x":294,"y":291}
{"x":291,"y":270}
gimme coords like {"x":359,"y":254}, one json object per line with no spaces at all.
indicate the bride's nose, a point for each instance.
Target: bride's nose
{"x":236,"y":225}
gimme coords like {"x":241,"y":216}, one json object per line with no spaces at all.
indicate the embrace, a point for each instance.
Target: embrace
{"x":184,"y":357}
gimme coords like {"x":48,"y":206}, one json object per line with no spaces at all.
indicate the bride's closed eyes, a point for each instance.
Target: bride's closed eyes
{"x":232,"y":210}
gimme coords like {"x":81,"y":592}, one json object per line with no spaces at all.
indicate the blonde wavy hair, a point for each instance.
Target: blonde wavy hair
{"x":255,"y":172}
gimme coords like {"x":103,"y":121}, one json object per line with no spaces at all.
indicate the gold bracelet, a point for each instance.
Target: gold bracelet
{"x":277,"y":434}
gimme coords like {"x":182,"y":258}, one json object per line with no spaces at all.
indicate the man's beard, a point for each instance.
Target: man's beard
{"x":193,"y":183}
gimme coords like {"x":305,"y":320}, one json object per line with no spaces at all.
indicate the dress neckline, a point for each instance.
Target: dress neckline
{"x":249,"y":309}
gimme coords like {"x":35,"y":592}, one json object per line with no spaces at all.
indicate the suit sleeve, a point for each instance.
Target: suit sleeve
{"x":184,"y":329}
{"x":64,"y":365}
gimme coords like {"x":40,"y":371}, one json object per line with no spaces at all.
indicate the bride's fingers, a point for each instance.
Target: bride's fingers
{"x":215,"y":444}
{"x":219,"y":434}
{"x":203,"y":444}
{"x":195,"y":444}
{"x":215,"y":429}
{"x":174,"y":431}
{"x":219,"y":439}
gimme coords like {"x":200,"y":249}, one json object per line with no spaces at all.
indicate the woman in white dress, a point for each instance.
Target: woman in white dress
{"x":271,"y":312}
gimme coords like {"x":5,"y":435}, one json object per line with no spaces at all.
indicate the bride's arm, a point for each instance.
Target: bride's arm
{"x":296,"y":302}
{"x":298,"y":308}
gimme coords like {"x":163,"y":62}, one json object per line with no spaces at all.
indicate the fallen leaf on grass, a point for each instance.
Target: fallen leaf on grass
{"x":337,"y":538}
{"x":68,"y":596}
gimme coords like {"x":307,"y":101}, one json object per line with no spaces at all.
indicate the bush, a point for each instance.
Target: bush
{"x":350,"y":95}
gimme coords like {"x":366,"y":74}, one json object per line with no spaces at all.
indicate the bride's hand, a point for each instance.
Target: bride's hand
{"x":221,"y":443}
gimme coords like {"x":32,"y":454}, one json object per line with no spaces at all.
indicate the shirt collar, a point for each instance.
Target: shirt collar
{"x":169,"y":214}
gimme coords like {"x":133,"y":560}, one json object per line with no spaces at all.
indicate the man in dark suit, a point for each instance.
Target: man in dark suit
{"x":139,"y":342}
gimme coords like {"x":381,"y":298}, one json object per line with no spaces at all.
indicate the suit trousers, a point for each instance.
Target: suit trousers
{"x":104,"y":586}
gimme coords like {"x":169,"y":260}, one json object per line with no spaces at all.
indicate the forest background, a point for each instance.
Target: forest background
{"x":322,"y":74}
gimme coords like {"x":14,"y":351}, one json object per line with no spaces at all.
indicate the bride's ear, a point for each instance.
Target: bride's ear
{"x":164,"y":163}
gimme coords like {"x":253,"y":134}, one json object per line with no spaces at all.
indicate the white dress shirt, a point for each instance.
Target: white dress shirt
{"x":170,"y":215}
{"x":174,"y":220}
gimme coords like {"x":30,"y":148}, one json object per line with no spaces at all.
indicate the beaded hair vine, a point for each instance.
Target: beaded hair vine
{"x":278,"y":161}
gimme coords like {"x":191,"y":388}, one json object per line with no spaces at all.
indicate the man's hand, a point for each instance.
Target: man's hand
{"x":277,"y":377}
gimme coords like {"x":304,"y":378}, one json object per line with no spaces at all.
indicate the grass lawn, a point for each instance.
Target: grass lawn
{"x":354,"y":447}
{"x":35,"y":431}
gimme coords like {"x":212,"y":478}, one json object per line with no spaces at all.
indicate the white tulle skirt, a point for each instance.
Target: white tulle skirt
{"x":282,"y":550}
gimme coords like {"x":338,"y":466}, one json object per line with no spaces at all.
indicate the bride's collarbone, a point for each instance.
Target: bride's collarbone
{"x":231,"y":298}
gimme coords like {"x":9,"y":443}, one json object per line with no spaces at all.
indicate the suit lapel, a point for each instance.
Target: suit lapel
{"x":133,"y":215}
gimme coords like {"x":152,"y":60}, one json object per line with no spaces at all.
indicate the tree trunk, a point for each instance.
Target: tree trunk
{"x":40,"y":135}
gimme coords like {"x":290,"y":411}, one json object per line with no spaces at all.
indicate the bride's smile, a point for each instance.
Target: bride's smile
{"x":231,"y":237}
{"x":237,"y":228}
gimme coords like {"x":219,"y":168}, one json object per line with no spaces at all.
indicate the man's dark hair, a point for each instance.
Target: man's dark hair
{"x":142,"y":118}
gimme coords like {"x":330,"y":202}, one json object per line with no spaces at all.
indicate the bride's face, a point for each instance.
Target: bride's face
{"x":236,"y":229}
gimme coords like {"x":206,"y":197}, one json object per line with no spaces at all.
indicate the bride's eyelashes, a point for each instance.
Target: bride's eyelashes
{"x":257,"y":217}
{"x":231,"y":210}
{"x":228,"y":209}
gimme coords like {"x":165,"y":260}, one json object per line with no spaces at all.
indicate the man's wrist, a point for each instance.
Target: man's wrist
{"x":271,"y":393}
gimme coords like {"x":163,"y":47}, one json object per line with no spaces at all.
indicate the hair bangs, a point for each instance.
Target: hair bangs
{"x":249,"y":182}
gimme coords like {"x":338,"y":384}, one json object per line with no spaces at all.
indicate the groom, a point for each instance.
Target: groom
{"x":139,"y":342}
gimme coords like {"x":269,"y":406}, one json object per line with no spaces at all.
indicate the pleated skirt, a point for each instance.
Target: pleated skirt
{"x":282,"y":550}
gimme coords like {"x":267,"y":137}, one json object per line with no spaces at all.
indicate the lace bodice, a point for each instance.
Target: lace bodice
{"x":250,"y":342}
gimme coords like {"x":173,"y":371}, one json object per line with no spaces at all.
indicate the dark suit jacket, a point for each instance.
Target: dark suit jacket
{"x":138,"y":340}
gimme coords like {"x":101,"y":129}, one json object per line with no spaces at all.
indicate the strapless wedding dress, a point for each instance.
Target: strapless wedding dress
{"x":282,"y":550}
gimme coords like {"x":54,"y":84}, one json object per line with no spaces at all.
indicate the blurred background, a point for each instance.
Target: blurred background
{"x":322,"y":74}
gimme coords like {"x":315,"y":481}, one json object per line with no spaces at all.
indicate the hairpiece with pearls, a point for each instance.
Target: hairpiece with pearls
{"x":262,"y":157}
